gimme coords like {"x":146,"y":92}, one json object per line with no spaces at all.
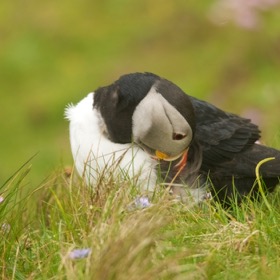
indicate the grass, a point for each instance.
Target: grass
{"x":168,"y":240}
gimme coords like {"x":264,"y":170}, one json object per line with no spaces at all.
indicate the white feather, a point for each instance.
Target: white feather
{"x":96,"y":156}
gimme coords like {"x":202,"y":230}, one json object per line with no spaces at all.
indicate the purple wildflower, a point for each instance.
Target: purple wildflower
{"x":79,"y":253}
{"x":142,"y":202}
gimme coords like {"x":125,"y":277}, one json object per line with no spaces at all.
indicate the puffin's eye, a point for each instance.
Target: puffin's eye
{"x":178,"y":136}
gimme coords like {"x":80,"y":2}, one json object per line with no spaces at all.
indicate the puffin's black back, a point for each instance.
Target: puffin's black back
{"x":222,"y":134}
{"x":230,"y":154}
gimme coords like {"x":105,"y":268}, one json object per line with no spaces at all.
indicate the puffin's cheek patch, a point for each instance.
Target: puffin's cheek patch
{"x":161,"y":155}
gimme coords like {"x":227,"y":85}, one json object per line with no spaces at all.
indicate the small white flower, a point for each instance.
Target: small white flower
{"x":1,"y":199}
{"x":5,"y":228}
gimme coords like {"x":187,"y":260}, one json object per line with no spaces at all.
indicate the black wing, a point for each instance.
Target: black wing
{"x":221,"y":135}
{"x":228,"y":149}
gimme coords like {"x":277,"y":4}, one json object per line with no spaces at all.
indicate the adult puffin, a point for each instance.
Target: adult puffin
{"x":143,"y":125}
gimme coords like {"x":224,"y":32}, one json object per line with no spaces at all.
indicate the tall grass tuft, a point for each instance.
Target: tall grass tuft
{"x":43,"y":229}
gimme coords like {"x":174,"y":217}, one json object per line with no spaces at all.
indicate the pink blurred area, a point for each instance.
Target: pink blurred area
{"x":245,"y":14}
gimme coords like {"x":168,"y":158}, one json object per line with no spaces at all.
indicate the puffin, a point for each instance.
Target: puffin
{"x":144,"y":128}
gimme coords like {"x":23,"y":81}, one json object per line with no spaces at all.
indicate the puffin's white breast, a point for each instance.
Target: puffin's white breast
{"x":94,"y":154}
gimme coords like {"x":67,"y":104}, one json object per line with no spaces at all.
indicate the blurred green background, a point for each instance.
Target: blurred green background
{"x":55,"y":52}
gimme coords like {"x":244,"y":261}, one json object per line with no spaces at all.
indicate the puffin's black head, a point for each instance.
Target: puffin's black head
{"x":118,"y":101}
{"x":149,"y":110}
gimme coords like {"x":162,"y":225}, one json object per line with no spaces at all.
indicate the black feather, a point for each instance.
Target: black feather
{"x":230,"y":154}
